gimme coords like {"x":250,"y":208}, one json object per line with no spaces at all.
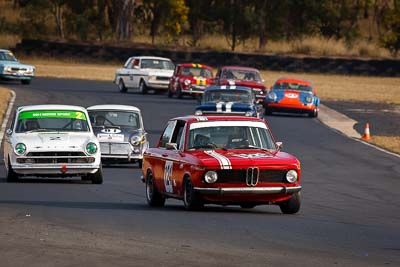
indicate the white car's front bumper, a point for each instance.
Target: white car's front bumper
{"x":123,"y":151}
{"x":57,"y":169}
{"x":158,"y":85}
{"x":42,"y":163}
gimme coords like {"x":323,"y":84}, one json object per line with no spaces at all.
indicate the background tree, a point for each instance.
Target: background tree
{"x":175,"y":19}
{"x":123,"y":19}
{"x":238,"y":20}
{"x":199,"y":12}
{"x":156,"y":9}
{"x":57,"y":9}
{"x":391,"y":23}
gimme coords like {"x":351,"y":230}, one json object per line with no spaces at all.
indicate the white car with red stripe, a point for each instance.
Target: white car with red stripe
{"x":227,"y":160}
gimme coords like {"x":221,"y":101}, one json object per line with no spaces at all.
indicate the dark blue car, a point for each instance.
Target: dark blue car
{"x":229,"y":100}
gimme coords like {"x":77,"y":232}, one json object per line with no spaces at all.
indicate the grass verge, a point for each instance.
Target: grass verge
{"x":5,"y":96}
{"x":391,"y":143}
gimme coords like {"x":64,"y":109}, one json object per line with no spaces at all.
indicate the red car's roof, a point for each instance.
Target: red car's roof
{"x":193,"y":118}
{"x":194,"y":65}
{"x":239,"y":68}
{"x":294,"y":80}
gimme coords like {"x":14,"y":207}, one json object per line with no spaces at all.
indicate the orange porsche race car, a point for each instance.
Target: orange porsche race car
{"x":293,"y":96}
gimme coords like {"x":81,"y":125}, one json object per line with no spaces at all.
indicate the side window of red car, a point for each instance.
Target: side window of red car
{"x":178,"y":135}
{"x":167,"y":135}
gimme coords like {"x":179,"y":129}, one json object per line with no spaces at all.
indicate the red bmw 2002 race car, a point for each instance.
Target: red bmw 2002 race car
{"x":242,"y":76}
{"x":292,"y":96}
{"x":227,"y":160}
{"x":189,"y":79}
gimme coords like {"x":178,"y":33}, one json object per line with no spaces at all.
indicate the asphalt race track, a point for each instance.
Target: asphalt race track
{"x":350,"y":213}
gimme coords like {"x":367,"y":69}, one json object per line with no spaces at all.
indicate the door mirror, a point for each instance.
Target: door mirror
{"x":9,"y":132}
{"x":171,"y":146}
{"x":279,"y":145}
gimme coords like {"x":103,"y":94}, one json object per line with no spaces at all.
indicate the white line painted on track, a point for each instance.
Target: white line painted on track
{"x":7,"y":115}
{"x":377,"y":147}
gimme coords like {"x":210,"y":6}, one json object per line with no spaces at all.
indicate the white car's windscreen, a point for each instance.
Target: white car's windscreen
{"x":7,"y":56}
{"x":230,"y":137}
{"x":110,"y":118}
{"x":157,"y":64}
{"x":52,"y":120}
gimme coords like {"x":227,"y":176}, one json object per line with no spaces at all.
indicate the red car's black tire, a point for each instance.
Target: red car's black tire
{"x":154,"y":198}
{"x":191,"y":199}
{"x":292,"y":205}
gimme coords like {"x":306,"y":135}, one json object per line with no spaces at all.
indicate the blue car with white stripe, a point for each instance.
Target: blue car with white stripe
{"x":229,"y":100}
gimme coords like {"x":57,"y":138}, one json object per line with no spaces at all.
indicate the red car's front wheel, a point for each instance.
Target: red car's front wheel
{"x":291,"y":205}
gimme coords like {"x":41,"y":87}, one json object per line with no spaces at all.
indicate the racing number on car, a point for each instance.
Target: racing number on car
{"x":167,"y":176}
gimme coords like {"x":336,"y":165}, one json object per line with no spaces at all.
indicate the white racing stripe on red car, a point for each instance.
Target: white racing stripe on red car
{"x":224,"y":162}
{"x":200,"y":118}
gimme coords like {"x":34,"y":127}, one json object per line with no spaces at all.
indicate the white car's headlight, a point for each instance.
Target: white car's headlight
{"x":211,"y":177}
{"x":272,"y":96}
{"x":91,"y":148}
{"x":198,"y":112}
{"x":291,"y":176}
{"x":152,"y":77}
{"x":7,"y":68}
{"x":20,"y":148}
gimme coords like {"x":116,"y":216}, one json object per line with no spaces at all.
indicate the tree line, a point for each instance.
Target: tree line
{"x":238,"y":20}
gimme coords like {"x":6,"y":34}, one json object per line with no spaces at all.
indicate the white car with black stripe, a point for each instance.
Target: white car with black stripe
{"x":144,"y":73}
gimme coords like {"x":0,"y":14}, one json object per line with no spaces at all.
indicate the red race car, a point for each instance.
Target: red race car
{"x":189,"y":79}
{"x":227,"y":160}
{"x":292,"y":96}
{"x":242,"y":76}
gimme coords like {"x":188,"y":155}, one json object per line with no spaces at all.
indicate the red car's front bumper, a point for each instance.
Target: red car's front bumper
{"x":247,"y":194}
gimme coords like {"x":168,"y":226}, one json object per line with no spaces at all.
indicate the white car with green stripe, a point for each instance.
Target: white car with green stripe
{"x":52,"y":141}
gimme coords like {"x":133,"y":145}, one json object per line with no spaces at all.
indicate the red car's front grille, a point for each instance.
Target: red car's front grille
{"x":239,"y":176}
